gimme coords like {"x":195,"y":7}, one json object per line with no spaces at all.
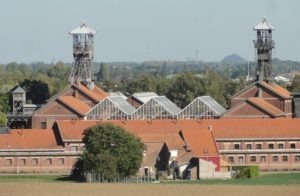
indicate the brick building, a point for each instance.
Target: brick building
{"x":71,"y":103}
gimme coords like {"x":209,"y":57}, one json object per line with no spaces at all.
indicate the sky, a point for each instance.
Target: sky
{"x":143,"y":30}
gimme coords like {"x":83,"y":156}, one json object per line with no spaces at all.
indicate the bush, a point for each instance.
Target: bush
{"x":242,"y":172}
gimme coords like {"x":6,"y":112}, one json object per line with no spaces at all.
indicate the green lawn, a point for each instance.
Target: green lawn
{"x":269,"y":179}
{"x":34,"y":178}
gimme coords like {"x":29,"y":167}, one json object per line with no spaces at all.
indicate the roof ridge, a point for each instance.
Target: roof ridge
{"x":274,"y":89}
{"x":270,"y":108}
{"x":61,"y":98}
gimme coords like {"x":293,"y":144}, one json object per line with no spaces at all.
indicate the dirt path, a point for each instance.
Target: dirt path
{"x":81,"y":189}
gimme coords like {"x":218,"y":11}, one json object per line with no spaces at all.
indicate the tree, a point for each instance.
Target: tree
{"x":103,"y":74}
{"x":144,"y":83}
{"x":184,"y":88}
{"x":3,"y":120}
{"x":215,"y":86}
{"x":36,"y":90}
{"x":295,"y":86}
{"x":111,"y":151}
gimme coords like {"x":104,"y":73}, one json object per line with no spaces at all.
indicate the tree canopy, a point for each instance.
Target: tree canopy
{"x":111,"y":152}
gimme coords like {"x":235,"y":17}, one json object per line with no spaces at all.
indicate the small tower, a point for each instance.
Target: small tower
{"x":264,"y":45}
{"x":83,"y":53}
{"x":19,"y":100}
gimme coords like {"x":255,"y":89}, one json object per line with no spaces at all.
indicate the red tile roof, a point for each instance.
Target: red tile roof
{"x":152,"y":152}
{"x":96,"y":93}
{"x":269,"y":108}
{"x":221,"y":128}
{"x":173,"y":141}
{"x":75,"y":104}
{"x":166,"y":131}
{"x":283,"y":128}
{"x":73,"y":130}
{"x":33,"y":139}
{"x":277,"y":89}
{"x":201,"y":142}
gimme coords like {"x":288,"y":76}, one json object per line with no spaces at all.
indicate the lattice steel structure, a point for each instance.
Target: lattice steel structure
{"x":19,"y":100}
{"x":264,"y":45}
{"x":159,"y":107}
{"x":111,"y":108}
{"x":83,"y":54}
{"x":202,"y":107}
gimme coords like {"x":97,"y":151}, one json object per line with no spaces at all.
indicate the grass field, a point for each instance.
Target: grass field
{"x":43,"y":185}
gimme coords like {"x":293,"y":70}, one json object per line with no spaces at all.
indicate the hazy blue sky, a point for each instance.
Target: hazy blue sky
{"x":139,"y":30}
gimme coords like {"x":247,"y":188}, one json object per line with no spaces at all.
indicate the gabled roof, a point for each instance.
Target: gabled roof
{"x":213,"y":104}
{"x":204,"y":106}
{"x":28,"y":139}
{"x":83,"y":29}
{"x":201,"y":142}
{"x":143,"y":97}
{"x":19,"y":90}
{"x":96,"y":93}
{"x":75,"y":104}
{"x":278,"y":90}
{"x":167,"y":104}
{"x":264,"y":25}
{"x":152,"y":152}
{"x":117,"y":94}
{"x":262,"y":104}
{"x":122,"y":104}
{"x":173,"y":140}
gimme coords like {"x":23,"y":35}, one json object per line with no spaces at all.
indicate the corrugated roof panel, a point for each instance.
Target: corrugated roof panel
{"x":144,"y":97}
{"x":122,"y":104}
{"x":167,"y":104}
{"x":212,"y":104}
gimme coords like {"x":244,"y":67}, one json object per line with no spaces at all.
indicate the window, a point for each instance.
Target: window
{"x":271,"y":146}
{"x":61,"y":161}
{"x":43,"y":125}
{"x":241,"y":159}
{"x":253,"y":158}
{"x":258,"y":146}
{"x":280,"y":146}
{"x":263,"y":159}
{"x":236,"y":146}
{"x":285,"y":158}
{"x":293,"y":146}
{"x":275,"y":159}
{"x":34,"y":161}
{"x":48,"y":161}
{"x":230,"y":159}
{"x":8,"y":162}
{"x":249,"y":146}
{"x":74,"y":148}
{"x":297,"y":157}
{"x":22,"y":161}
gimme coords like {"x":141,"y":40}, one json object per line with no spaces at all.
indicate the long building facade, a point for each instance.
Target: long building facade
{"x":200,"y":141}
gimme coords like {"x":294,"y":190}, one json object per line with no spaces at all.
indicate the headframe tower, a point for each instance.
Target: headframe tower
{"x":264,"y":45}
{"x":83,"y":54}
